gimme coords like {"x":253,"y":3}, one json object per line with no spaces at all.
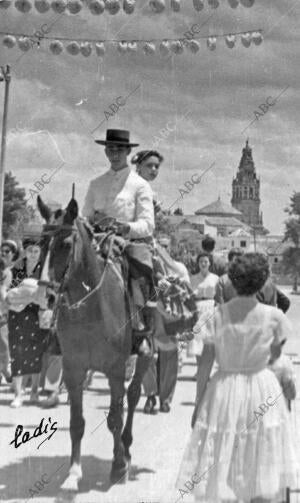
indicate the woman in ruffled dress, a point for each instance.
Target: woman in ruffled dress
{"x":27,"y":341}
{"x":242,"y":444}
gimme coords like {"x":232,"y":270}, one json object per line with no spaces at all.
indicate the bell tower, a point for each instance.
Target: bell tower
{"x":246,"y":192}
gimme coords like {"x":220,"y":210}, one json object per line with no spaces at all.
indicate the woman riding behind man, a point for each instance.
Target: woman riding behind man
{"x":161,"y":375}
{"x":147,"y":166}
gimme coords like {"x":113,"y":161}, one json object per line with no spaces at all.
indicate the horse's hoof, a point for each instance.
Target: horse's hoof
{"x":120,"y":475}
{"x":71,"y":483}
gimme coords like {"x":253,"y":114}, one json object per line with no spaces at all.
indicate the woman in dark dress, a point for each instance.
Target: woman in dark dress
{"x":27,"y":341}
{"x":8,"y":254}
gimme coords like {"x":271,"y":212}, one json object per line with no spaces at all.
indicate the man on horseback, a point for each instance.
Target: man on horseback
{"x":122,"y":194}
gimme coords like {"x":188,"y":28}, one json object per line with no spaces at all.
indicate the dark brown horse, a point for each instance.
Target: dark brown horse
{"x":94,"y":330}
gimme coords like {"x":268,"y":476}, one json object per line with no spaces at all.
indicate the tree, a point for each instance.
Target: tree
{"x":15,"y":210}
{"x":162,"y":224}
{"x":291,"y":256}
{"x":291,"y":264}
{"x":178,"y":211}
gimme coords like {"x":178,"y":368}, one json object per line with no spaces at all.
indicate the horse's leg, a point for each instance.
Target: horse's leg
{"x":119,"y":470}
{"x":133,"y":396}
{"x":74,"y":378}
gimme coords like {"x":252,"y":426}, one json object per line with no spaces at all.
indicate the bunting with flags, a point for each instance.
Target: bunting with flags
{"x":113,"y":7}
{"x":163,"y":47}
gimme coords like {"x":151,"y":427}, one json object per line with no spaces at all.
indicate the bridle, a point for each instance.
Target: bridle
{"x":53,"y":230}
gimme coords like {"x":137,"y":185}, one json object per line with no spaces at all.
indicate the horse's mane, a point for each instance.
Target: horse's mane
{"x":85,"y":252}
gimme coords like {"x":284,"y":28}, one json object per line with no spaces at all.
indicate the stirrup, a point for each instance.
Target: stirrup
{"x":141,"y":342}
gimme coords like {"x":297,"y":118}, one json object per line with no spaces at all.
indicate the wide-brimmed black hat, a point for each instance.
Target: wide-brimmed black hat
{"x":118,"y":137}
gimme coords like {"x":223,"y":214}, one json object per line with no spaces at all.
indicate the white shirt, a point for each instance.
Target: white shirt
{"x":125,"y":196}
{"x":207,"y":286}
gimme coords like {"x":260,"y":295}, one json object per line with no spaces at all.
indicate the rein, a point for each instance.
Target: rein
{"x":77,"y":304}
{"x":66,"y":273}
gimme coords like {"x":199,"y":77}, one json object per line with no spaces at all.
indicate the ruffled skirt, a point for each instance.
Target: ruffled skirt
{"x":242,"y":445}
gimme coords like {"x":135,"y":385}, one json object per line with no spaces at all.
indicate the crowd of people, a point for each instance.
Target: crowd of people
{"x":237,"y":340}
{"x":24,"y":341}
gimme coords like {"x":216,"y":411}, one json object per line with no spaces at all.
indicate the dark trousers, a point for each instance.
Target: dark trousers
{"x":161,"y":376}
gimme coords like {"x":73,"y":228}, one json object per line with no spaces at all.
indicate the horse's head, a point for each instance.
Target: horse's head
{"x":60,"y":226}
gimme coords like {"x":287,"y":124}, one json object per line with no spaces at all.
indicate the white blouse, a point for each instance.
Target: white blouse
{"x":207,"y":286}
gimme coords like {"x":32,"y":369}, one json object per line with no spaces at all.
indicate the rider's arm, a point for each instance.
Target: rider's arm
{"x":143,"y":225}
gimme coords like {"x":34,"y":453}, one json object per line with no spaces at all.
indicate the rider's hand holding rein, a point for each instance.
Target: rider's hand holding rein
{"x":122,"y":229}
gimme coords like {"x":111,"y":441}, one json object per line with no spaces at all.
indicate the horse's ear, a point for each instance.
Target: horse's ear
{"x":44,"y":210}
{"x":71,"y":212}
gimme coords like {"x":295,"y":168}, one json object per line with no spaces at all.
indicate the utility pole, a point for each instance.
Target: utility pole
{"x":254,"y":237}
{"x":6,"y":77}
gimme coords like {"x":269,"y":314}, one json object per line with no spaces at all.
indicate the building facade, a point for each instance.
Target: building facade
{"x":246,"y":192}
{"x":222,"y":216}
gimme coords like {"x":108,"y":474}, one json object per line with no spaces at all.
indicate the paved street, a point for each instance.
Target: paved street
{"x":156,"y":453}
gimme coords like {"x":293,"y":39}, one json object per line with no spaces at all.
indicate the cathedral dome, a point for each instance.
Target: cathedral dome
{"x":219,"y":209}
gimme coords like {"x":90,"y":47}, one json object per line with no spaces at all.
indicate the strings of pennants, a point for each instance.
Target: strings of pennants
{"x":97,"y":7}
{"x":163,"y":47}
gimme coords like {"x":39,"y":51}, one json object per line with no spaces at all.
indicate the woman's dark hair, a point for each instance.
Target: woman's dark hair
{"x":144,"y":154}
{"x":31,"y":242}
{"x":196,"y":268}
{"x":12,"y":245}
{"x":208,"y":244}
{"x":249,"y":273}
{"x":234,"y":252}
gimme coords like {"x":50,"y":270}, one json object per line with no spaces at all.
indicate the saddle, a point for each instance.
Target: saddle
{"x":134,"y":260}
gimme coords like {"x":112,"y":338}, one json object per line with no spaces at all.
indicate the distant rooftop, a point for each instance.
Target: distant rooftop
{"x":178,"y":219}
{"x":240,"y":232}
{"x":218,"y":208}
{"x":228,"y":221}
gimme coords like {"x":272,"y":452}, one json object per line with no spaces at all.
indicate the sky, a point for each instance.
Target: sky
{"x":205,"y":102}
